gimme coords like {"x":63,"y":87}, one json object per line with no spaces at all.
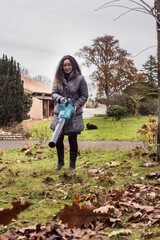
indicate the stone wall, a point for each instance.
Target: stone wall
{"x":9,"y":136}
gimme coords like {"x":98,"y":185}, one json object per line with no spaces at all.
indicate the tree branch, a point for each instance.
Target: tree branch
{"x":143,"y":7}
{"x":103,"y":6}
{"x":132,"y":9}
{"x":144,"y":50}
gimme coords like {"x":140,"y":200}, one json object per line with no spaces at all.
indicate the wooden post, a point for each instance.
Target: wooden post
{"x":157,"y":5}
{"x":47,"y":107}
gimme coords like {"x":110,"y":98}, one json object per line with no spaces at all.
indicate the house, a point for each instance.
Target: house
{"x":43,"y":104}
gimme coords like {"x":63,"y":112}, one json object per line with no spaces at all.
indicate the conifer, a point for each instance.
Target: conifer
{"x":11,"y":92}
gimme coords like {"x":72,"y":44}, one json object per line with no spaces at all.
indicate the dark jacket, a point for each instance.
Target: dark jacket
{"x":77,"y":91}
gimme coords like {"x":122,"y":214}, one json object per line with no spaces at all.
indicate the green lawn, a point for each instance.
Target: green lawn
{"x":29,"y":175}
{"x":108,"y":130}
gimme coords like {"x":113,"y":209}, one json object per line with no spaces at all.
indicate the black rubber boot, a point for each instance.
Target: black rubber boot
{"x":73,"y":157}
{"x":60,"y":163}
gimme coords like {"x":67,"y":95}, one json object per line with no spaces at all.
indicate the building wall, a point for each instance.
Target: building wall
{"x":36,"y":111}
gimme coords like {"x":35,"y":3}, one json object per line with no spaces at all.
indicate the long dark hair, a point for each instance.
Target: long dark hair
{"x":60,"y":73}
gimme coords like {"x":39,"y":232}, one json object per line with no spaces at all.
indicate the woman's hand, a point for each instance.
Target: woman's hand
{"x":63,"y":99}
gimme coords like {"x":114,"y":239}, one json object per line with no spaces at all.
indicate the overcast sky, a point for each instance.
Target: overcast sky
{"x":38,"y":33}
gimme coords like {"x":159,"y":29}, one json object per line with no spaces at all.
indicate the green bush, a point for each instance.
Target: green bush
{"x":116,"y":112}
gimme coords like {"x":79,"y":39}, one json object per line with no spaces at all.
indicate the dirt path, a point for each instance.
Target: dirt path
{"x":81,"y":144}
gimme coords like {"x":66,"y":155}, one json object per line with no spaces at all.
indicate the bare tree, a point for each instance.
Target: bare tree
{"x":43,"y":79}
{"x":24,"y":72}
{"x":114,"y":70}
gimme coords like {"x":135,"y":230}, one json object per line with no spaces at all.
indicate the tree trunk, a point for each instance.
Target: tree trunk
{"x":158,"y":53}
{"x":107,"y":101}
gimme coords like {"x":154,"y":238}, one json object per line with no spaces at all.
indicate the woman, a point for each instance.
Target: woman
{"x":69,"y":83}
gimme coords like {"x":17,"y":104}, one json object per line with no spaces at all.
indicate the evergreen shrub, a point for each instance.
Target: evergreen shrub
{"x":116,"y":112}
{"x":27,"y":101}
{"x":11,"y":92}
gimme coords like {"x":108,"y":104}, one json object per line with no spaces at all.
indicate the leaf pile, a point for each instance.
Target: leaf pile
{"x":142,"y":201}
{"x":107,"y":197}
{"x":136,"y":207}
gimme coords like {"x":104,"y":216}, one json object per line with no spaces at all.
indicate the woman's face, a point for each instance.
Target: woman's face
{"x":67,"y":66}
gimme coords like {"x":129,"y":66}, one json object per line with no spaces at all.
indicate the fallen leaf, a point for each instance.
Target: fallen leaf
{"x":153,"y":175}
{"x":106,"y":209}
{"x":48,"y":180}
{"x":117,"y":194}
{"x":39,"y":152}
{"x":147,"y":235}
{"x":129,"y":155}
{"x":89,"y":204}
{"x":28,"y":152}
{"x":137,"y":153}
{"x":7,"y":214}
{"x":1,"y":151}
{"x":114,"y":164}
{"x":135,"y":216}
{"x":150,"y":164}
{"x":2,"y":169}
{"x":25,"y":147}
{"x":7,"y":236}
{"x":38,"y":232}
{"x":77,"y":198}
{"x":76,"y":216}
{"x":143,"y":207}
{"x":94,"y":171}
{"x":153,"y":156}
{"x":65,"y":176}
{"x":144,"y":154}
{"x":38,"y":146}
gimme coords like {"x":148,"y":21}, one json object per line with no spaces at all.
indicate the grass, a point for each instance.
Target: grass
{"x":30,"y":176}
{"x":108,"y":130}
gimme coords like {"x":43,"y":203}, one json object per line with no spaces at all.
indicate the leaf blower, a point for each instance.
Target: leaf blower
{"x":66,"y":112}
